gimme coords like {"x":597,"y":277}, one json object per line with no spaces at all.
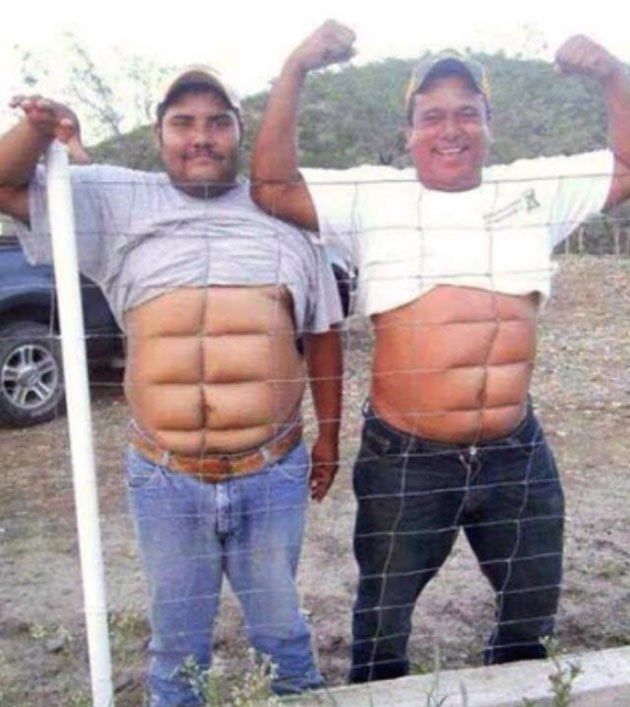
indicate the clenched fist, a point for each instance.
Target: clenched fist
{"x":53,"y":120}
{"x":329,"y":44}
{"x":582,"y":56}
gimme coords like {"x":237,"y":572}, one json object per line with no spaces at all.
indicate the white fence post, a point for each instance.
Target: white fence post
{"x":61,"y":216}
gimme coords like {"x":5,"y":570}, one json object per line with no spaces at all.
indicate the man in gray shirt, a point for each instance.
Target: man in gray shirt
{"x":216,"y":300}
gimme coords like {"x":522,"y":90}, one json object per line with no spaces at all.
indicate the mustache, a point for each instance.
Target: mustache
{"x":204,"y":152}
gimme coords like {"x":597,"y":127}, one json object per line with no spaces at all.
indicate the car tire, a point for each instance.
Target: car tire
{"x":31,"y":376}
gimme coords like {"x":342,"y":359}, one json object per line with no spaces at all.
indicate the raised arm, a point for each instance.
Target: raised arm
{"x":582,"y":56}
{"x":277,"y":186}
{"x":23,"y":145}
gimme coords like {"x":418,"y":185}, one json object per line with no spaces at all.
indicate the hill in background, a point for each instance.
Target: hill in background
{"x":355,"y":116}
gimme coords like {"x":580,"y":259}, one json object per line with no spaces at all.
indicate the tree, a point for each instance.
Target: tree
{"x":110,"y":100}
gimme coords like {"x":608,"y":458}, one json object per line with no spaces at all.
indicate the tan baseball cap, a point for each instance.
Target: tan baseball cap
{"x":446,"y":62}
{"x":199,"y":74}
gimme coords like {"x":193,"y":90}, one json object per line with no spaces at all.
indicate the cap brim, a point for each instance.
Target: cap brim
{"x":202,"y":76}
{"x":452,"y":65}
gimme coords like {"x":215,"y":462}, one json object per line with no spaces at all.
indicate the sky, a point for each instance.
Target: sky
{"x":248,"y":41}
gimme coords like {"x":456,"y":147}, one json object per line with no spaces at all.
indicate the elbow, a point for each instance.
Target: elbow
{"x":14,"y":203}
{"x":271,"y":198}
{"x":8,"y":181}
{"x":287,"y":201}
{"x":620,"y":186}
{"x":262,"y":195}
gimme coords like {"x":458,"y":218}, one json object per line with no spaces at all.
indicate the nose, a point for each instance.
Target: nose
{"x":450,"y":128}
{"x":202,"y":135}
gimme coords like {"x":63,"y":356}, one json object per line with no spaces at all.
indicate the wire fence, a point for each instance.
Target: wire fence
{"x":202,"y":363}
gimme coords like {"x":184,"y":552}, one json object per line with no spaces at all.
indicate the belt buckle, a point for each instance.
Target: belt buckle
{"x":226,"y":468}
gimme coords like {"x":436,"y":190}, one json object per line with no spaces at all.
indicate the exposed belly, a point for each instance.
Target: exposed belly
{"x":213,"y":369}
{"x":455,"y":365}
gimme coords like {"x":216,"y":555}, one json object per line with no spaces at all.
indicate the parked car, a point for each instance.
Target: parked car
{"x":31,"y":375}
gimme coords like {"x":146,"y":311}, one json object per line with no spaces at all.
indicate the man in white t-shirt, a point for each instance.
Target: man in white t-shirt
{"x":452,"y":271}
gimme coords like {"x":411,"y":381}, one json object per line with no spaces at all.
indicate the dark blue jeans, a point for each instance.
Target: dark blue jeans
{"x":413,"y":496}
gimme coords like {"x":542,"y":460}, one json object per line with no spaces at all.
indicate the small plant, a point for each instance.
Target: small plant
{"x":79,"y":699}
{"x":610,"y":569}
{"x":216,"y":691}
{"x":208,"y":686}
{"x":564,"y":676}
{"x":433,"y":698}
{"x":125,"y":629}
{"x":561,"y":679}
{"x":51,"y":632}
{"x":256,"y":684}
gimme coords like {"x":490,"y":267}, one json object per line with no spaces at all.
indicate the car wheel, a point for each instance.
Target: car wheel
{"x":31,"y":378}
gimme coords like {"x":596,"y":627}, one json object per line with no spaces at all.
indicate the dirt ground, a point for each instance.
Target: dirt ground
{"x":582,"y":392}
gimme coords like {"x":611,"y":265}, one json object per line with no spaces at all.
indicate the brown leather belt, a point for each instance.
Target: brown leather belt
{"x":212,"y":468}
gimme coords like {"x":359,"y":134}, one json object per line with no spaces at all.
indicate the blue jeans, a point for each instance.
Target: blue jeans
{"x":190,"y":533}
{"x":413,"y":496}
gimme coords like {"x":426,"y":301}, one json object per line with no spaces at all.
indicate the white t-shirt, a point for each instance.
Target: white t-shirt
{"x":406,"y":239}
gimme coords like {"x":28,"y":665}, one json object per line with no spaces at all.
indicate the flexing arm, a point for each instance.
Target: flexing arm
{"x":23,"y":145}
{"x":325,"y":369}
{"x":276,"y":183}
{"x":582,"y":56}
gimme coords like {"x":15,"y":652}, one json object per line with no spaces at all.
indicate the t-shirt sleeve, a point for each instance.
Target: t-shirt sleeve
{"x":335,"y":195}
{"x":582,"y":192}
{"x":324,"y":304}
{"x":95,"y":190}
{"x":573,"y":189}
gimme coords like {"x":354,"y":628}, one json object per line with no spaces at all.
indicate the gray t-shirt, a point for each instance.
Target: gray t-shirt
{"x":138,"y":237}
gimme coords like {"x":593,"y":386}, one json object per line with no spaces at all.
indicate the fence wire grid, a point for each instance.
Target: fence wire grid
{"x":206,"y":356}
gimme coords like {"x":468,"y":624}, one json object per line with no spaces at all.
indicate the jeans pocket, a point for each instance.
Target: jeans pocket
{"x":141,"y":472}
{"x":375,"y":443}
{"x":515,"y":451}
{"x":295,"y":465}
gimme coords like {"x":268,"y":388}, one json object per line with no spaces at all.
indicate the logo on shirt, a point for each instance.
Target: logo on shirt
{"x":526,"y":202}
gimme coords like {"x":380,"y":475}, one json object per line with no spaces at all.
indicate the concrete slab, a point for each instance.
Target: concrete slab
{"x":604,"y":681}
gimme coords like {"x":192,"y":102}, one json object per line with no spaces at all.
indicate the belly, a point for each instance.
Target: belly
{"x":455,"y":365}
{"x":214,"y":369}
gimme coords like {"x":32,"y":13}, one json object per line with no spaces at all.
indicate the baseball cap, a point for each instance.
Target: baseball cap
{"x":195,"y":75}
{"x":446,"y":62}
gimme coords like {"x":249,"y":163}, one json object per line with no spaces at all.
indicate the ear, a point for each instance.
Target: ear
{"x":409,"y":137}
{"x":240,"y":132}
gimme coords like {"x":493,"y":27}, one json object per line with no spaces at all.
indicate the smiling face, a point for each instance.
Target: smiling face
{"x":198,"y":138}
{"x":449,"y":134}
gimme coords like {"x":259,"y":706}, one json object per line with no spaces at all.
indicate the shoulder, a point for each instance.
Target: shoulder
{"x":112,"y":174}
{"x":585,"y":164}
{"x":361,"y":177}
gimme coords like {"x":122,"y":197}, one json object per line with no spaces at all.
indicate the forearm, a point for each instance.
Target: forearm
{"x":617,"y":97}
{"x":325,"y":369}
{"x":20,"y":150}
{"x":275,"y":152}
{"x":277,"y":187}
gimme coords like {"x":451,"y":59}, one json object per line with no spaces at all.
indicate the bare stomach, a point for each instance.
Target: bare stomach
{"x":213,"y":369}
{"x":455,"y":365}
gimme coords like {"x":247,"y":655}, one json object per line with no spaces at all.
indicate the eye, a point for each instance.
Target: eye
{"x":430,"y":118}
{"x":180,"y":122}
{"x":222,"y":122}
{"x":470,"y":114}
